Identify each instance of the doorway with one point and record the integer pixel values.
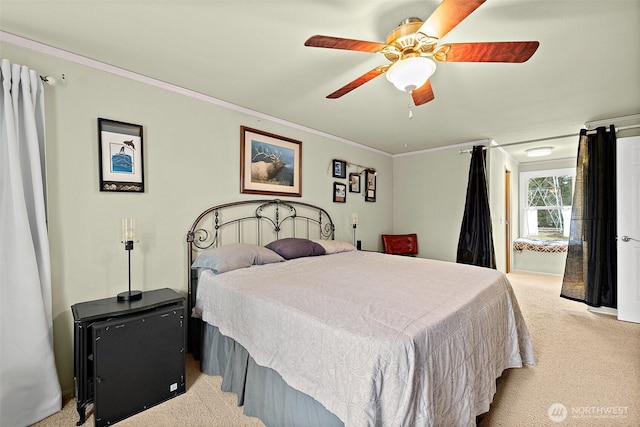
(628, 227)
(507, 219)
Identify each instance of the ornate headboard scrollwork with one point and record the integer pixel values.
(253, 221)
(275, 214)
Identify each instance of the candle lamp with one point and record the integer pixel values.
(128, 239)
(354, 223)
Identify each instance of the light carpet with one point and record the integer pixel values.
(587, 374)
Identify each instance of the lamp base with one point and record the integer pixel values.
(130, 296)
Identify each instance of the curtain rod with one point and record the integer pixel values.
(50, 80)
(589, 132)
(633, 118)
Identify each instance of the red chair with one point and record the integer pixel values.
(400, 244)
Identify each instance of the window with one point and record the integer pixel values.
(545, 203)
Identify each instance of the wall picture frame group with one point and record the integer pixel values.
(270, 164)
(121, 158)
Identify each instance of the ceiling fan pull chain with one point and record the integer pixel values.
(410, 104)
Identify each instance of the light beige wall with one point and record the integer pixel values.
(430, 190)
(551, 164)
(498, 163)
(191, 151)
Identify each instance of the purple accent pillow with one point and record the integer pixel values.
(293, 247)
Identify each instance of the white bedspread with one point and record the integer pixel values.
(377, 339)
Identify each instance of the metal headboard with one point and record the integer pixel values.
(251, 221)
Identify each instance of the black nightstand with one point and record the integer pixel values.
(128, 355)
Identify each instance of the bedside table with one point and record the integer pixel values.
(128, 355)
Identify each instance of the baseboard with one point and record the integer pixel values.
(520, 270)
(604, 310)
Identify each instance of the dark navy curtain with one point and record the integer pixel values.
(475, 245)
(590, 274)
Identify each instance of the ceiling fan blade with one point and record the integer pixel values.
(447, 15)
(357, 83)
(487, 52)
(346, 44)
(423, 94)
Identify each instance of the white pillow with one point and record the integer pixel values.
(235, 256)
(266, 256)
(335, 246)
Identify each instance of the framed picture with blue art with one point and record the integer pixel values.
(269, 164)
(121, 156)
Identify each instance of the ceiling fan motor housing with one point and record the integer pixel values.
(408, 41)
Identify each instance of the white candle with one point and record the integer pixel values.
(128, 229)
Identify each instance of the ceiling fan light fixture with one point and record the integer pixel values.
(538, 151)
(410, 73)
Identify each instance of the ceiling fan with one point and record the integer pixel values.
(413, 45)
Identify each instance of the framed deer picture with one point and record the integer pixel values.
(269, 164)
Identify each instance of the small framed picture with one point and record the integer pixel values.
(120, 154)
(339, 192)
(339, 169)
(370, 186)
(354, 182)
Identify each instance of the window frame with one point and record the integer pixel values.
(524, 192)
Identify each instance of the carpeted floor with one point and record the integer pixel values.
(587, 374)
(589, 363)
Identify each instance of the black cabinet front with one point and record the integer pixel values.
(129, 356)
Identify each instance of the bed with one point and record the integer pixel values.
(306, 330)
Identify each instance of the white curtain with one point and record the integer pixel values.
(29, 386)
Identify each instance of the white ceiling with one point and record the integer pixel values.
(252, 54)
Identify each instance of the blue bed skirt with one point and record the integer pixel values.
(262, 391)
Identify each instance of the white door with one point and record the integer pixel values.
(628, 206)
